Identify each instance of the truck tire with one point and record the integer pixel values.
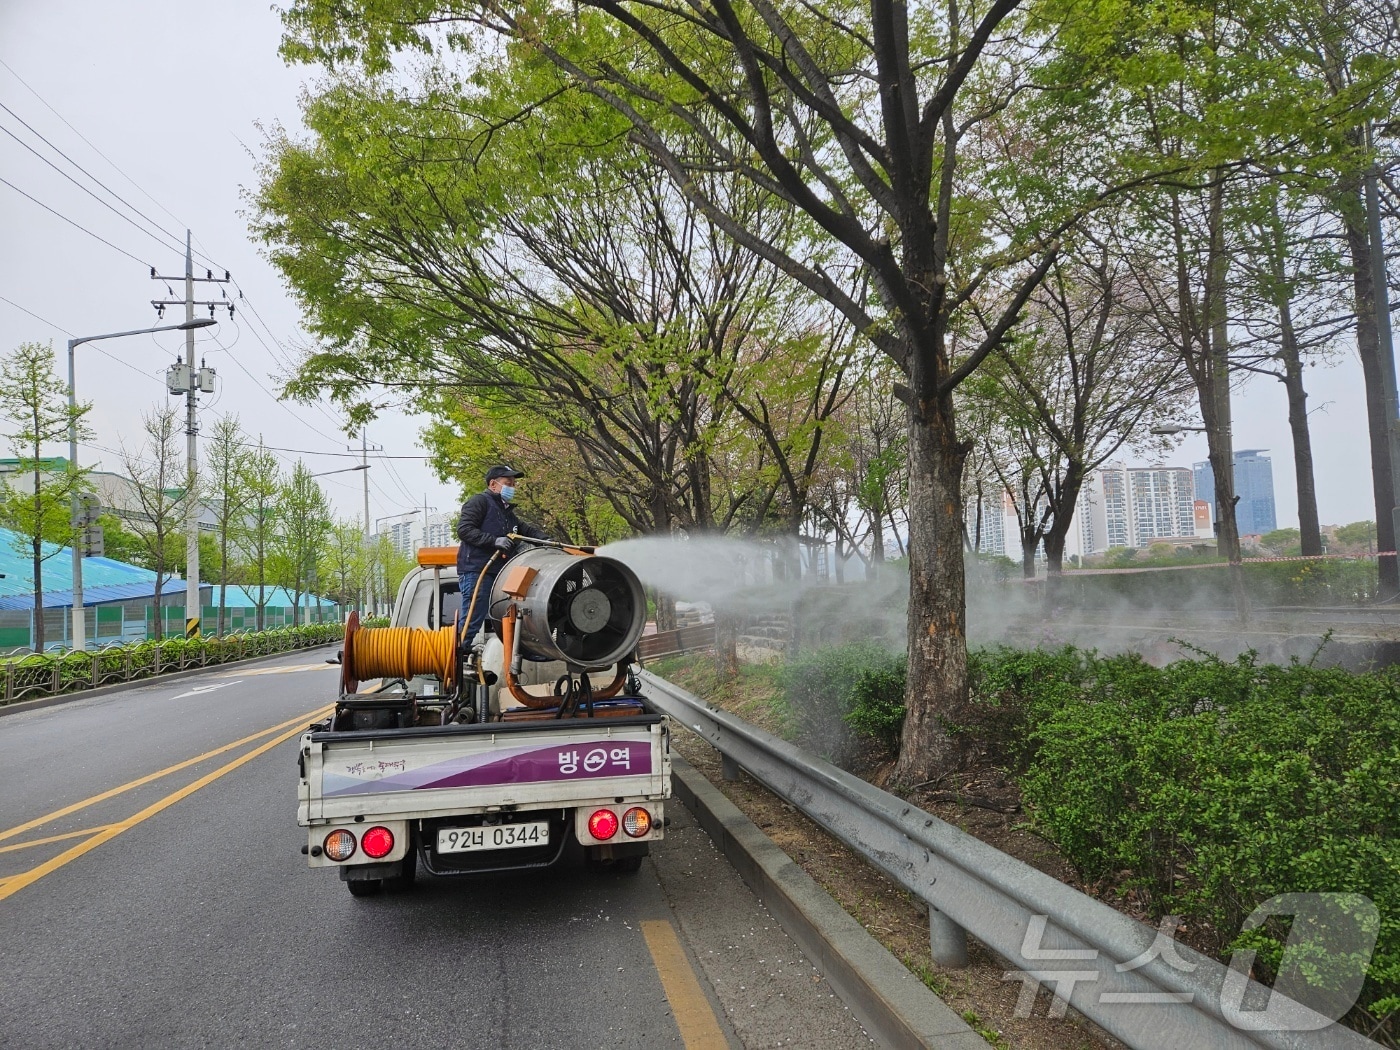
(365, 887)
(408, 874)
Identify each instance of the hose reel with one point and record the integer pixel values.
(397, 652)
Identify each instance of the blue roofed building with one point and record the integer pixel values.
(120, 598)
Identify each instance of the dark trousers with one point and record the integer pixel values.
(467, 581)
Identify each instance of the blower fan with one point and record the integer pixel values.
(585, 610)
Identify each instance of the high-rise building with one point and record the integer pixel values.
(440, 531)
(402, 534)
(1254, 485)
(990, 528)
(1163, 503)
(1122, 506)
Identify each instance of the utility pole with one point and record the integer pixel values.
(364, 470)
(426, 508)
(184, 378)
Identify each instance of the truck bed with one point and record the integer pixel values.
(423, 772)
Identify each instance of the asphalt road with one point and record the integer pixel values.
(153, 894)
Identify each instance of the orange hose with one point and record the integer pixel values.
(404, 652)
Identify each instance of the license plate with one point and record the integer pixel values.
(495, 836)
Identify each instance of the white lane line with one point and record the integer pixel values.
(197, 690)
(279, 670)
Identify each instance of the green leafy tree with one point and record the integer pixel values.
(38, 509)
(853, 123)
(120, 543)
(1359, 536)
(227, 494)
(157, 474)
(254, 537)
(343, 566)
(1282, 542)
(301, 532)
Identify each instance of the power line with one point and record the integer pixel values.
(70, 222)
(36, 317)
(94, 346)
(80, 135)
(75, 182)
(113, 193)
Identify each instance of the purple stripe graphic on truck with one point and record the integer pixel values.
(552, 762)
(558, 762)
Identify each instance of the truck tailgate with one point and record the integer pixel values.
(420, 773)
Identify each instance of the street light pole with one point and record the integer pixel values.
(79, 617)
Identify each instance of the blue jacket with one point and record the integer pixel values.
(486, 517)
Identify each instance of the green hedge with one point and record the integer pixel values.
(45, 675)
(1204, 787)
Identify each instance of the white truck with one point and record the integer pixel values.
(496, 753)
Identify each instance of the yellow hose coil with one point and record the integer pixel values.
(404, 652)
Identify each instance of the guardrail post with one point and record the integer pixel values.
(728, 768)
(947, 941)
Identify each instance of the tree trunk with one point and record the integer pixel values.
(935, 693)
(1219, 432)
(726, 645)
(665, 611)
(223, 581)
(1030, 540)
(38, 541)
(160, 613)
(1308, 525)
(39, 591)
(877, 543)
(1368, 346)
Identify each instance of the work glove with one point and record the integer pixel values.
(505, 544)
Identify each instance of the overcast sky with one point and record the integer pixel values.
(172, 95)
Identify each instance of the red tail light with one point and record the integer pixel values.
(603, 824)
(377, 842)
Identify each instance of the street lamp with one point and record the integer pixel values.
(79, 618)
(1175, 428)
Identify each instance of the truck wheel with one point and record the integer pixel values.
(627, 865)
(407, 875)
(365, 887)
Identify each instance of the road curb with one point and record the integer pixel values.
(141, 683)
(894, 1005)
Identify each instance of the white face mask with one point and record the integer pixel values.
(507, 492)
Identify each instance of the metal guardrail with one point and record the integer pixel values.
(43, 675)
(1120, 973)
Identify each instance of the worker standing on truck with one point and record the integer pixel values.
(484, 528)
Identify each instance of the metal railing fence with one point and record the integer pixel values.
(1108, 966)
(37, 676)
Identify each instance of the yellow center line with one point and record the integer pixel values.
(16, 883)
(696, 1020)
(149, 777)
(53, 838)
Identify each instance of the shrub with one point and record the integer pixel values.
(820, 687)
(877, 701)
(1216, 785)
